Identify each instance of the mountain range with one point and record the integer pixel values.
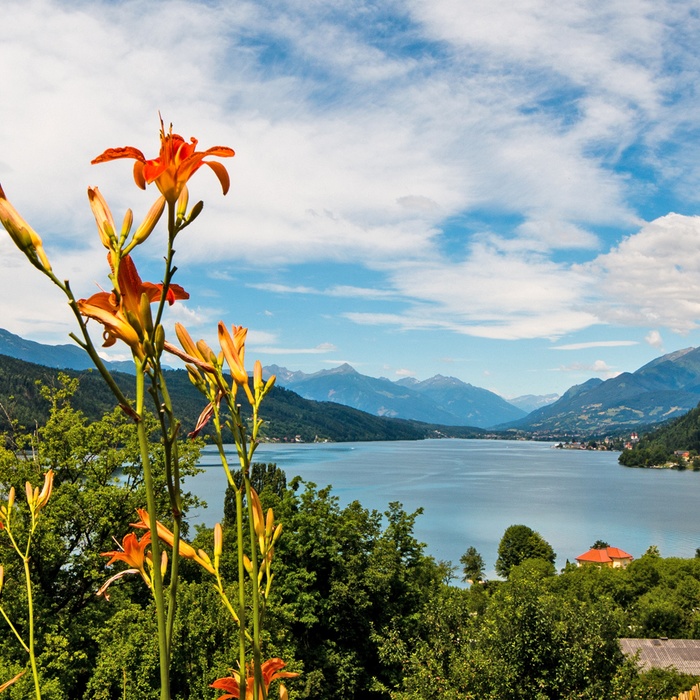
(443, 400)
(665, 388)
(66, 356)
(288, 416)
(661, 390)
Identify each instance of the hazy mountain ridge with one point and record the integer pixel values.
(531, 402)
(440, 399)
(65, 356)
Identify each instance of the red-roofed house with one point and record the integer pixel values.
(610, 556)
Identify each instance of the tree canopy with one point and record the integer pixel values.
(519, 542)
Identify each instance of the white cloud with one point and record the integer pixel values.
(598, 367)
(284, 289)
(351, 148)
(607, 50)
(654, 339)
(493, 293)
(318, 350)
(595, 344)
(405, 373)
(348, 291)
(652, 277)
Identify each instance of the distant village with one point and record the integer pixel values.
(606, 444)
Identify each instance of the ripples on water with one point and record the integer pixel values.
(472, 490)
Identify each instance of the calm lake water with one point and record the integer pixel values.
(472, 490)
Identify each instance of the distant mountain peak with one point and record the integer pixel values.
(345, 368)
(441, 380)
(670, 357)
(407, 381)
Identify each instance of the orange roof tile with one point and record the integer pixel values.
(599, 556)
(616, 553)
(604, 556)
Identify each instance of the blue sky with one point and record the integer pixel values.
(502, 191)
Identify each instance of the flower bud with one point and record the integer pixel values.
(145, 314)
(182, 202)
(47, 489)
(196, 211)
(126, 226)
(159, 339)
(149, 223)
(24, 236)
(103, 218)
(218, 540)
(257, 377)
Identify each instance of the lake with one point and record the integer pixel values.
(472, 490)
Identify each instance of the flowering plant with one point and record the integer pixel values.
(127, 314)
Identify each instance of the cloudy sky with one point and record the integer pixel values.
(505, 191)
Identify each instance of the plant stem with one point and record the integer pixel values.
(259, 686)
(14, 629)
(30, 610)
(241, 593)
(169, 429)
(163, 644)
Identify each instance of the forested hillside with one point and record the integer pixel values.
(286, 414)
(661, 446)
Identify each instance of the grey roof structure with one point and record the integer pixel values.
(681, 654)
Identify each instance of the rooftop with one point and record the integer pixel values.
(681, 654)
(604, 556)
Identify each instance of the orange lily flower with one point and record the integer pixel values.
(123, 315)
(133, 553)
(186, 550)
(270, 672)
(174, 166)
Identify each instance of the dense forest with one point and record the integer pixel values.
(288, 415)
(359, 609)
(667, 444)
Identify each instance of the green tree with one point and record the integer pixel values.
(600, 544)
(97, 488)
(349, 586)
(519, 543)
(472, 566)
(532, 645)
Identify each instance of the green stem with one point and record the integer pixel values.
(163, 644)
(174, 574)
(14, 629)
(169, 430)
(30, 610)
(259, 686)
(241, 593)
(169, 269)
